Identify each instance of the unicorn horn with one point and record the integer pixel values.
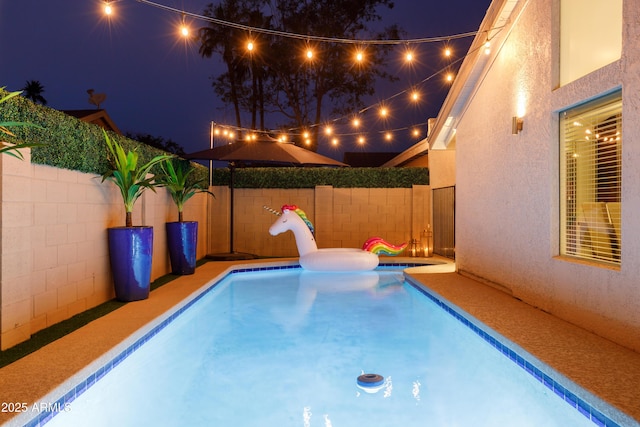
(273, 211)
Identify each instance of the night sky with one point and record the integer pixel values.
(157, 84)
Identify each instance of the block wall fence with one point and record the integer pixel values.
(54, 260)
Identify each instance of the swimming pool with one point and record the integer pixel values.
(284, 348)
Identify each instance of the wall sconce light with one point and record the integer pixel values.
(516, 125)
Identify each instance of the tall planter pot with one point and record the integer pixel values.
(182, 239)
(131, 254)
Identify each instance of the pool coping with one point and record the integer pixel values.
(60, 366)
(192, 288)
(589, 405)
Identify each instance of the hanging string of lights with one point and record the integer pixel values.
(413, 93)
(303, 36)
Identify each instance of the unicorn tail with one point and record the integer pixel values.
(378, 246)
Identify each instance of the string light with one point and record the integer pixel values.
(409, 57)
(377, 42)
(184, 29)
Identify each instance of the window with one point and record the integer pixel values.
(590, 36)
(591, 180)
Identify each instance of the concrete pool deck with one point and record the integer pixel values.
(601, 367)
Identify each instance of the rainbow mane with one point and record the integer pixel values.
(378, 246)
(301, 214)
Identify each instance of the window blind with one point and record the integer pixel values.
(591, 180)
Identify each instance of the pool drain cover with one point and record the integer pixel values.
(370, 380)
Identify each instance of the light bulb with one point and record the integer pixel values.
(108, 10)
(447, 52)
(383, 112)
(415, 95)
(361, 140)
(387, 136)
(250, 46)
(184, 30)
(356, 122)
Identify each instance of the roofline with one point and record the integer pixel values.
(494, 28)
(93, 115)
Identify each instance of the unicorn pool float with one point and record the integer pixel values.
(294, 219)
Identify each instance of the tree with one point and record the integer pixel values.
(278, 79)
(33, 90)
(167, 145)
(228, 43)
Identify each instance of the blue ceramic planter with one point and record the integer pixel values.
(131, 254)
(182, 239)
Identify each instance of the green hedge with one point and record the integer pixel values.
(69, 143)
(77, 145)
(310, 177)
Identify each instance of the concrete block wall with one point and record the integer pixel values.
(54, 252)
(252, 222)
(342, 217)
(54, 260)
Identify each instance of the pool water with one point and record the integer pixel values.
(285, 348)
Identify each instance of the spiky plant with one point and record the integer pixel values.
(180, 185)
(132, 180)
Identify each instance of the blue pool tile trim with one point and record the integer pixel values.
(574, 401)
(52, 409)
(58, 406)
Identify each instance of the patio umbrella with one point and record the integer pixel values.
(261, 152)
(265, 152)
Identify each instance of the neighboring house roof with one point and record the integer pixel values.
(366, 160)
(97, 117)
(494, 28)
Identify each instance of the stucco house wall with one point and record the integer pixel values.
(507, 186)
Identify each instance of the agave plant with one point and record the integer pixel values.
(180, 185)
(132, 180)
(14, 150)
